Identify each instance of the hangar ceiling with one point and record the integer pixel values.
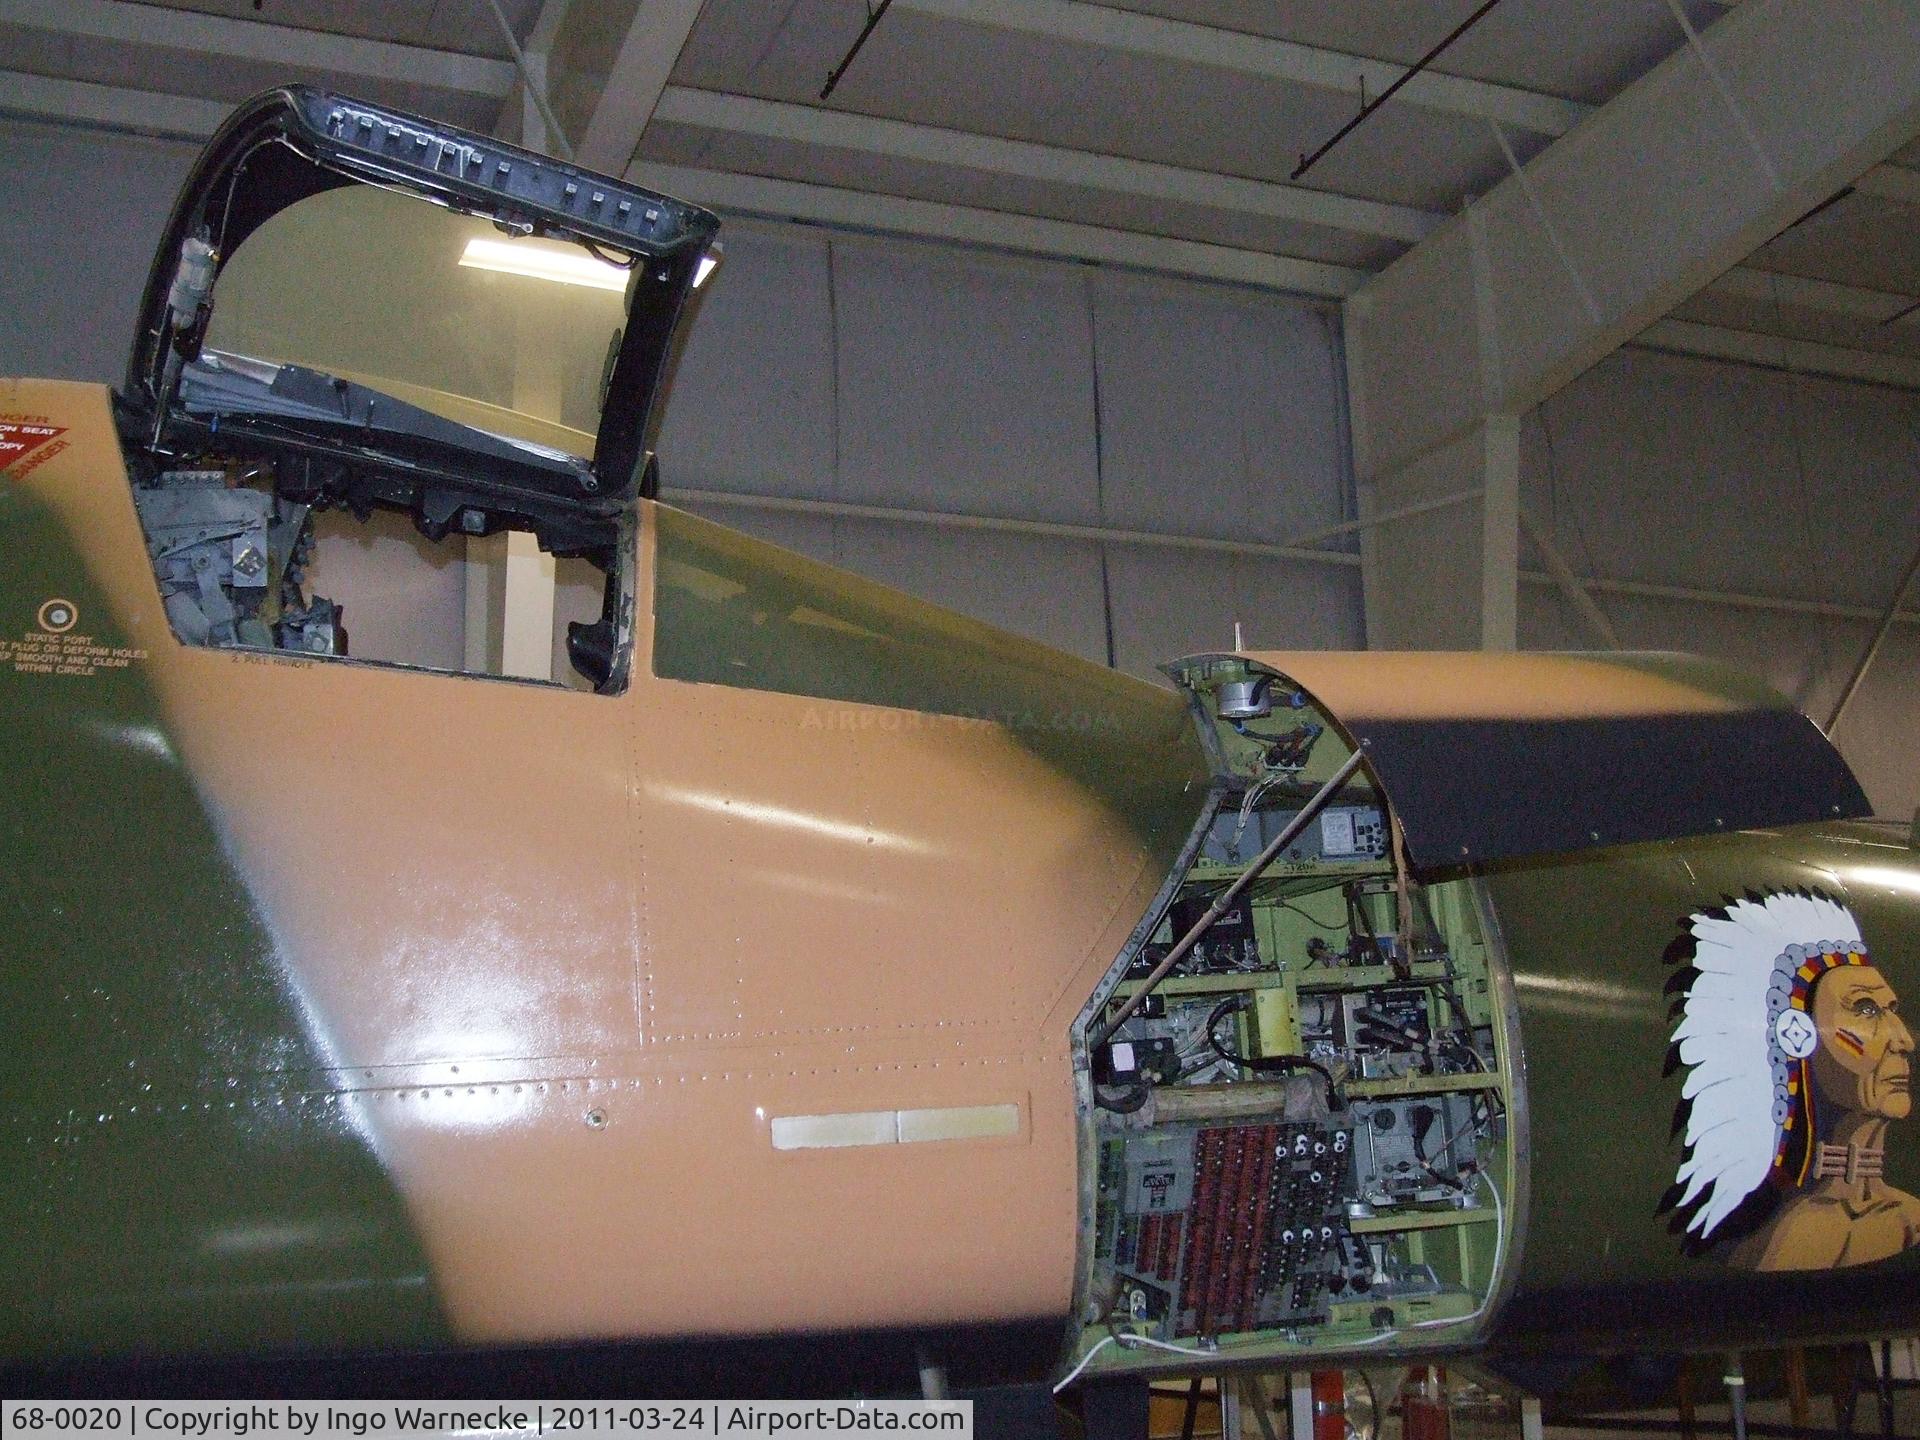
(1157, 134)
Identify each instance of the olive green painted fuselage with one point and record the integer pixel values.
(1586, 936)
(178, 1176)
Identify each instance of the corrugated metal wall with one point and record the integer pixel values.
(1702, 475)
(860, 372)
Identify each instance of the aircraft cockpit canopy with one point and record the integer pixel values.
(357, 311)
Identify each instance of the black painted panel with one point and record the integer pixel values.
(1469, 791)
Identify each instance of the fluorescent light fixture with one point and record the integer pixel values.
(709, 263)
(536, 261)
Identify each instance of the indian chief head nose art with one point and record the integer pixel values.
(1798, 1064)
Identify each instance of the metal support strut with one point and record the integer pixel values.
(536, 84)
(1880, 630)
(1736, 1379)
(1224, 900)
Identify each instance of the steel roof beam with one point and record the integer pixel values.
(1676, 180)
(111, 107)
(1158, 38)
(521, 117)
(151, 113)
(546, 26)
(869, 134)
(755, 195)
(633, 87)
(1781, 352)
(1655, 197)
(1891, 182)
(1799, 292)
(163, 28)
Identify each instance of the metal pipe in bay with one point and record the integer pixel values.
(1288, 834)
(1307, 162)
(1736, 1382)
(1246, 1099)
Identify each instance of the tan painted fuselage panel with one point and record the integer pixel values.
(1442, 685)
(569, 957)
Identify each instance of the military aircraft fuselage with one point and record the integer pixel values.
(356, 1004)
(813, 961)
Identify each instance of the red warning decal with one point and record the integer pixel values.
(19, 440)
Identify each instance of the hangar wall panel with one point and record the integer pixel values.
(753, 395)
(1679, 471)
(1221, 414)
(851, 370)
(1168, 604)
(80, 212)
(963, 386)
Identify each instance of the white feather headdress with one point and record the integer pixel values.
(1743, 1030)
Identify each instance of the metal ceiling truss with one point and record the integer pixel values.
(1157, 38)
(873, 135)
(110, 107)
(633, 88)
(162, 28)
(191, 118)
(637, 91)
(1798, 292)
(1781, 352)
(993, 229)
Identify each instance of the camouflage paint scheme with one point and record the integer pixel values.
(178, 1167)
(480, 996)
(351, 1006)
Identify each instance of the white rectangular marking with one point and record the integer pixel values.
(889, 1127)
(834, 1132)
(959, 1122)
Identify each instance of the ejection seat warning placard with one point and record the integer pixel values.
(21, 441)
(55, 644)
